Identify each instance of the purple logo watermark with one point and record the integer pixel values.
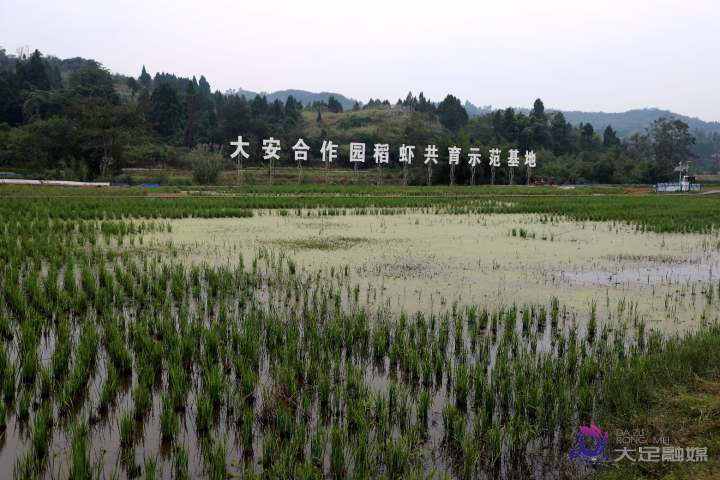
(590, 457)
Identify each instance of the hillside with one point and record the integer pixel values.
(626, 123)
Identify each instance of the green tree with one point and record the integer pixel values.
(538, 110)
(586, 133)
(259, 106)
(334, 105)
(277, 110)
(356, 107)
(671, 141)
(425, 106)
(508, 125)
(319, 118)
(292, 108)
(192, 105)
(144, 100)
(610, 138)
(452, 114)
(497, 124)
(204, 86)
(561, 131)
(105, 128)
(133, 86)
(53, 74)
(166, 110)
(33, 72)
(10, 98)
(235, 119)
(145, 78)
(92, 76)
(640, 147)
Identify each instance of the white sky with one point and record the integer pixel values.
(608, 55)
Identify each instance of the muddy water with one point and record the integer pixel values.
(426, 262)
(406, 262)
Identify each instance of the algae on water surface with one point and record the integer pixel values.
(418, 261)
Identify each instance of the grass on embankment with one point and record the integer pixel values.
(690, 414)
(674, 394)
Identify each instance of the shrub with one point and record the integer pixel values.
(206, 171)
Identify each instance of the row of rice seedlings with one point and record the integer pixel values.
(324, 354)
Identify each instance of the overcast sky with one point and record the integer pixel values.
(607, 55)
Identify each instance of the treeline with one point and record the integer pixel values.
(79, 121)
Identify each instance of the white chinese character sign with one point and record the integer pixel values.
(381, 155)
(474, 156)
(271, 147)
(301, 155)
(406, 156)
(357, 155)
(529, 163)
(240, 153)
(329, 152)
(513, 161)
(494, 162)
(431, 154)
(453, 159)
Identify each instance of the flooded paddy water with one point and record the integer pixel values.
(295, 344)
(425, 262)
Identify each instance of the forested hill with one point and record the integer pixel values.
(624, 123)
(74, 119)
(627, 123)
(307, 98)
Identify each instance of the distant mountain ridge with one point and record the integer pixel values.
(302, 95)
(626, 123)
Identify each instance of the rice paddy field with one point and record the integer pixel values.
(302, 336)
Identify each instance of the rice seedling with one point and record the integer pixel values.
(24, 467)
(126, 425)
(215, 452)
(181, 462)
(301, 337)
(80, 464)
(337, 450)
(141, 400)
(269, 450)
(397, 458)
(131, 465)
(8, 381)
(109, 387)
(3, 417)
(24, 405)
(168, 419)
(150, 462)
(41, 432)
(204, 411)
